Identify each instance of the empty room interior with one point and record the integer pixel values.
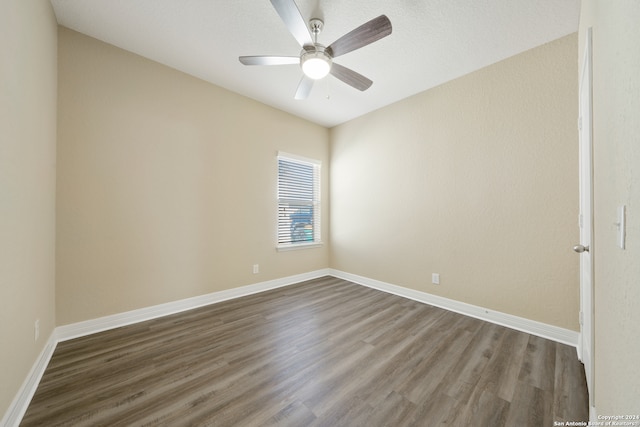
(467, 252)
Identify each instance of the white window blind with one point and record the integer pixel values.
(298, 201)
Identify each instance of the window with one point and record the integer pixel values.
(298, 201)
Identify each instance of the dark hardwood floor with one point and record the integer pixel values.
(325, 352)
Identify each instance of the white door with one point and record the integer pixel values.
(585, 248)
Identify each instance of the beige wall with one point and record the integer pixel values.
(161, 177)
(27, 187)
(616, 127)
(166, 184)
(475, 180)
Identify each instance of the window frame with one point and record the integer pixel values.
(315, 202)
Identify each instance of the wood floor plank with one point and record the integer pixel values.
(538, 367)
(571, 400)
(295, 414)
(473, 360)
(394, 410)
(324, 352)
(502, 371)
(432, 370)
(435, 411)
(482, 408)
(531, 407)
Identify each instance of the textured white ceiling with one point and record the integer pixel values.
(433, 41)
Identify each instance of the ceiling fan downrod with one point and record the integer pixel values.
(316, 26)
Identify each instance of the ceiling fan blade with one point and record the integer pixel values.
(269, 60)
(350, 77)
(365, 34)
(304, 88)
(293, 20)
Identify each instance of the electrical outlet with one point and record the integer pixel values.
(36, 329)
(256, 268)
(435, 278)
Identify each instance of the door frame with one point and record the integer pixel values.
(585, 132)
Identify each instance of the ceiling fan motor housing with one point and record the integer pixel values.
(315, 61)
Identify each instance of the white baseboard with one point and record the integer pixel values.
(532, 327)
(18, 407)
(20, 403)
(100, 324)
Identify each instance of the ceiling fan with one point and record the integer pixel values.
(315, 59)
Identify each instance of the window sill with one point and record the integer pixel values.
(296, 246)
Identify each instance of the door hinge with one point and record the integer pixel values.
(581, 318)
(580, 123)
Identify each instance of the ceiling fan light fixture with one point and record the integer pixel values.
(315, 64)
